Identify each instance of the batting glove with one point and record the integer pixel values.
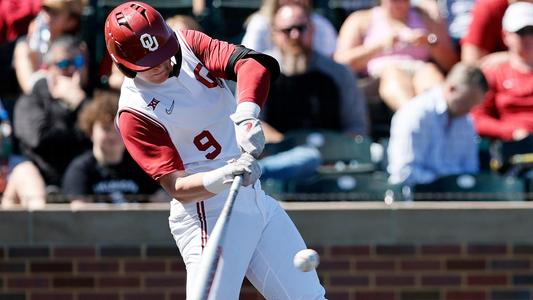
(250, 135)
(218, 180)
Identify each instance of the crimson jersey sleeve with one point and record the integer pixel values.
(253, 79)
(149, 145)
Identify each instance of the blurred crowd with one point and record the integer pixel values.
(438, 87)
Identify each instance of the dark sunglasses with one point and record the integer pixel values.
(78, 61)
(528, 30)
(301, 28)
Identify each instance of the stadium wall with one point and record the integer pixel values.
(369, 251)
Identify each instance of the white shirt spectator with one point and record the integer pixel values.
(425, 143)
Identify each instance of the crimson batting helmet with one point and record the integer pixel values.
(138, 38)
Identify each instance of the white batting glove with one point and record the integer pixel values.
(250, 135)
(218, 180)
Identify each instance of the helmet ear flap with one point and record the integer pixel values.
(127, 72)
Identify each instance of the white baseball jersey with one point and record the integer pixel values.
(193, 108)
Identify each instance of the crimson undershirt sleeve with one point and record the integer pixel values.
(149, 145)
(253, 79)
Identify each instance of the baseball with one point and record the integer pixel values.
(306, 260)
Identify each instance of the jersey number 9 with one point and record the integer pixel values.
(204, 141)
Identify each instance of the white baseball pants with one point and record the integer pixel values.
(260, 244)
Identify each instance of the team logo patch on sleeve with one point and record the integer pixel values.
(153, 104)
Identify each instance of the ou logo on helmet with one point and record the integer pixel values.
(149, 42)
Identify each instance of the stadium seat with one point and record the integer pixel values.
(340, 153)
(344, 187)
(517, 156)
(467, 187)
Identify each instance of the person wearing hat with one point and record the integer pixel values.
(56, 18)
(507, 111)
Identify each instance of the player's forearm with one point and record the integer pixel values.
(186, 189)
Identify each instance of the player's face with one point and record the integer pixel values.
(157, 74)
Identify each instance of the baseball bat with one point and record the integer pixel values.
(207, 268)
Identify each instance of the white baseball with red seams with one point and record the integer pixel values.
(306, 260)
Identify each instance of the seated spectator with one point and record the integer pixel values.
(433, 135)
(45, 122)
(507, 111)
(107, 173)
(15, 17)
(57, 17)
(258, 28)
(312, 91)
(484, 35)
(397, 44)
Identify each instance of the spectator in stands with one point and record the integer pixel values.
(313, 91)
(258, 28)
(56, 18)
(107, 173)
(45, 125)
(507, 112)
(484, 34)
(15, 17)
(395, 43)
(433, 135)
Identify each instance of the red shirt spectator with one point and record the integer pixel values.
(507, 112)
(484, 34)
(508, 105)
(15, 17)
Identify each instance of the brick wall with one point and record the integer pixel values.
(379, 272)
(409, 252)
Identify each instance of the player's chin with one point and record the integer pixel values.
(159, 77)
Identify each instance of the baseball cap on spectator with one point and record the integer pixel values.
(72, 6)
(517, 16)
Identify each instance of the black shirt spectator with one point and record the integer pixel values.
(116, 183)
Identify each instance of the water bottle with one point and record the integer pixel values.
(40, 37)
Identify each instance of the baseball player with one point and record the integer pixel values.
(182, 125)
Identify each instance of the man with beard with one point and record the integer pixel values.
(313, 92)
